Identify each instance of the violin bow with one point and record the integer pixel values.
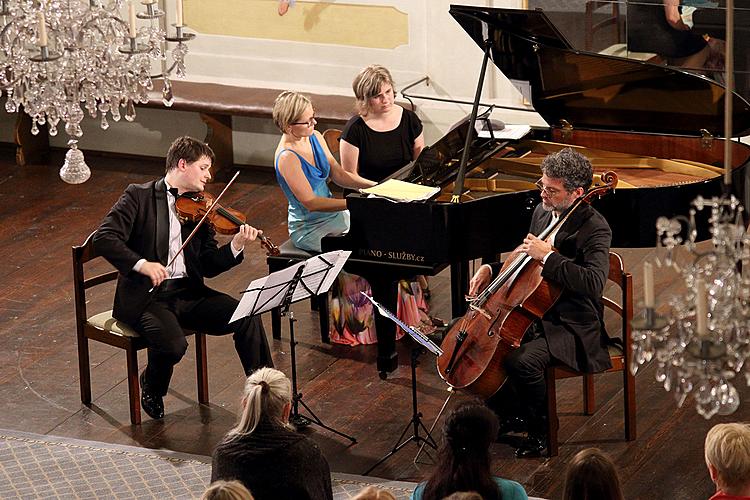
(200, 222)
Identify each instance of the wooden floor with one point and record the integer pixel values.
(41, 217)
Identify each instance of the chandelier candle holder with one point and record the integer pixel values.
(65, 58)
(703, 342)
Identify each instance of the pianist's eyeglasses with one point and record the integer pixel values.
(312, 121)
(541, 187)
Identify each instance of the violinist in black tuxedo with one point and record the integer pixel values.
(572, 331)
(139, 236)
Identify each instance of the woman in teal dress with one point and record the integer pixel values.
(464, 460)
(303, 166)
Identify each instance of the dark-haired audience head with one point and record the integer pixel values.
(227, 490)
(188, 149)
(592, 476)
(464, 460)
(370, 82)
(727, 451)
(574, 169)
(373, 493)
(267, 398)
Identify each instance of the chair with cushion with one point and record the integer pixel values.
(619, 354)
(288, 256)
(102, 327)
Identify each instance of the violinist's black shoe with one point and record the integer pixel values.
(534, 446)
(512, 425)
(152, 404)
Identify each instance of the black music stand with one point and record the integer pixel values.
(281, 289)
(415, 423)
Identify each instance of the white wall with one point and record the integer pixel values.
(438, 47)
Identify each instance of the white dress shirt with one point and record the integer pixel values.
(177, 269)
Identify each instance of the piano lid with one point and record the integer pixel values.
(595, 91)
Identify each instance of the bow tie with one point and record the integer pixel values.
(174, 191)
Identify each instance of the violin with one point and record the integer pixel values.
(192, 207)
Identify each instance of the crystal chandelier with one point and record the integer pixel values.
(704, 340)
(65, 58)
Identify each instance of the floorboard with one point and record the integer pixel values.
(42, 218)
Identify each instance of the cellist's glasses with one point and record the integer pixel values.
(544, 189)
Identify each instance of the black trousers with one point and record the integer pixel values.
(524, 393)
(196, 308)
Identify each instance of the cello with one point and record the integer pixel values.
(475, 347)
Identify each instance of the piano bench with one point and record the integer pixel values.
(289, 256)
(621, 50)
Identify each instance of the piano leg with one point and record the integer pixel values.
(459, 287)
(384, 291)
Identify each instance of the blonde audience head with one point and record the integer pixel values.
(288, 108)
(368, 83)
(464, 495)
(592, 475)
(267, 395)
(727, 452)
(373, 493)
(227, 490)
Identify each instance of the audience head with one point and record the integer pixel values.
(464, 461)
(288, 109)
(574, 169)
(464, 495)
(227, 490)
(373, 493)
(370, 82)
(267, 396)
(592, 476)
(727, 452)
(188, 149)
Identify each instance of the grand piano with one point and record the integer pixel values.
(659, 128)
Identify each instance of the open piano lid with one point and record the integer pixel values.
(594, 91)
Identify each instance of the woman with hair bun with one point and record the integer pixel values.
(263, 451)
(464, 460)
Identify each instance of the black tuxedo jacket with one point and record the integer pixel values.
(137, 227)
(574, 326)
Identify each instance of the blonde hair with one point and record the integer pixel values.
(727, 448)
(373, 493)
(288, 108)
(227, 490)
(367, 84)
(266, 393)
(464, 495)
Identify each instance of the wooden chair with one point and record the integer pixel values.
(102, 327)
(590, 27)
(623, 307)
(332, 137)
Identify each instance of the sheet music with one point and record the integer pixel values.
(510, 132)
(266, 293)
(418, 336)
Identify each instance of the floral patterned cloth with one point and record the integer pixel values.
(352, 317)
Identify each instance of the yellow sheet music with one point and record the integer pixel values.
(401, 191)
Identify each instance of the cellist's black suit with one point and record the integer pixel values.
(572, 331)
(137, 227)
